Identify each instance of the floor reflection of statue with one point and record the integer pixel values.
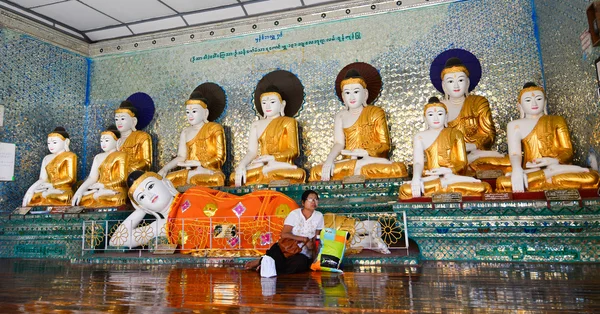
(200, 218)
(361, 134)
(57, 174)
(273, 140)
(455, 73)
(133, 115)
(540, 150)
(105, 186)
(439, 153)
(202, 144)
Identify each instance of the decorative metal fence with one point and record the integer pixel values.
(376, 231)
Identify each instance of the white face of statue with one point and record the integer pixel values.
(195, 114)
(354, 95)
(455, 84)
(272, 106)
(107, 142)
(533, 103)
(435, 117)
(124, 121)
(152, 194)
(56, 144)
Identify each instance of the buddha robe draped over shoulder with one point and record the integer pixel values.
(62, 173)
(448, 150)
(550, 138)
(209, 148)
(476, 124)
(280, 140)
(112, 172)
(251, 221)
(138, 147)
(369, 132)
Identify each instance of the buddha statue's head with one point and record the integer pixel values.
(532, 100)
(455, 79)
(354, 90)
(58, 141)
(196, 109)
(109, 138)
(436, 114)
(126, 117)
(150, 191)
(272, 103)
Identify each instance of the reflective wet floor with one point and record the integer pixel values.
(43, 286)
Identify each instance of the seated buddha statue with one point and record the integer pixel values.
(440, 154)
(470, 114)
(539, 148)
(136, 144)
(273, 140)
(183, 218)
(106, 184)
(57, 175)
(361, 136)
(201, 145)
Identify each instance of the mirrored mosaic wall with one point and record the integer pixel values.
(570, 74)
(400, 44)
(41, 87)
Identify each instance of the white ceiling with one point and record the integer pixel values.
(97, 20)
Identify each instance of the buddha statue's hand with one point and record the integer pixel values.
(103, 192)
(162, 173)
(441, 171)
(518, 180)
(189, 164)
(327, 171)
(417, 187)
(355, 153)
(542, 162)
(453, 178)
(52, 191)
(264, 159)
(96, 186)
(240, 175)
(470, 147)
(76, 199)
(198, 170)
(44, 186)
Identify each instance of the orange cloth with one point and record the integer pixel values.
(203, 218)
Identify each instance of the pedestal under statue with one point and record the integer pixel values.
(456, 73)
(361, 134)
(106, 185)
(57, 174)
(273, 140)
(440, 154)
(202, 146)
(540, 150)
(129, 117)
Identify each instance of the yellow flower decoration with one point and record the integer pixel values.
(210, 209)
(94, 234)
(143, 234)
(282, 211)
(119, 234)
(391, 231)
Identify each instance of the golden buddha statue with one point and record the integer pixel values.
(273, 140)
(57, 175)
(361, 133)
(202, 146)
(106, 185)
(539, 147)
(137, 144)
(440, 154)
(468, 113)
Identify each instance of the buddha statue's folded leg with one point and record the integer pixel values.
(469, 188)
(382, 171)
(52, 199)
(536, 181)
(178, 178)
(341, 169)
(491, 163)
(431, 187)
(105, 200)
(580, 180)
(208, 180)
(253, 176)
(297, 175)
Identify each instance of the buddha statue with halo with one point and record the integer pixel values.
(137, 144)
(468, 113)
(106, 185)
(440, 154)
(540, 150)
(273, 140)
(57, 175)
(202, 146)
(361, 134)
